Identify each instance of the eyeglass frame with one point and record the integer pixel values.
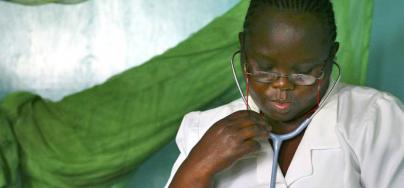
(289, 76)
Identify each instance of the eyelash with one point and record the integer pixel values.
(305, 71)
(264, 66)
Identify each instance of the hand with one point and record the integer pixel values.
(228, 140)
(224, 143)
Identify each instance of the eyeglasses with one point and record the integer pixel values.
(297, 79)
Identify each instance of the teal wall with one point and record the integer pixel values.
(155, 171)
(386, 58)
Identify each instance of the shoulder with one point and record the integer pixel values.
(195, 124)
(357, 103)
(364, 114)
(371, 124)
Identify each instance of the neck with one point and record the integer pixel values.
(283, 127)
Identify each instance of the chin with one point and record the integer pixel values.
(284, 119)
(281, 117)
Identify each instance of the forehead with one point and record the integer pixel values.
(287, 34)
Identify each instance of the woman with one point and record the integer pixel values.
(287, 53)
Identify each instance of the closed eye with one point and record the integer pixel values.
(306, 69)
(264, 65)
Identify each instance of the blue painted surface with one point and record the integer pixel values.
(155, 172)
(386, 58)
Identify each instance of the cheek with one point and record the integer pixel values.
(309, 96)
(305, 96)
(259, 91)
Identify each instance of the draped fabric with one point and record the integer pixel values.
(354, 22)
(96, 137)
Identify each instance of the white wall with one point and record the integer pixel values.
(56, 50)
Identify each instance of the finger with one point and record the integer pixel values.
(249, 132)
(260, 124)
(236, 117)
(264, 126)
(246, 113)
(242, 114)
(244, 118)
(253, 132)
(261, 120)
(247, 147)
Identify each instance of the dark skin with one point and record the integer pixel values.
(281, 41)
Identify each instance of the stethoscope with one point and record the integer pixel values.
(277, 140)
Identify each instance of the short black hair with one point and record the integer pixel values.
(323, 8)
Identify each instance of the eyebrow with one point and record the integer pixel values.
(306, 66)
(263, 61)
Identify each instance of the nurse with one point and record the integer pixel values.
(287, 52)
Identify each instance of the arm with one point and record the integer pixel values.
(192, 174)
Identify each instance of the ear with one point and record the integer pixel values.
(241, 39)
(334, 49)
(333, 52)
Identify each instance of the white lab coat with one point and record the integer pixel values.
(356, 140)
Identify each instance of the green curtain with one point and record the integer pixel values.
(96, 137)
(354, 21)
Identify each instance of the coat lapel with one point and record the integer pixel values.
(319, 135)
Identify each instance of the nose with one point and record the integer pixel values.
(283, 83)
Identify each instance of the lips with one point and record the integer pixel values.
(281, 106)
